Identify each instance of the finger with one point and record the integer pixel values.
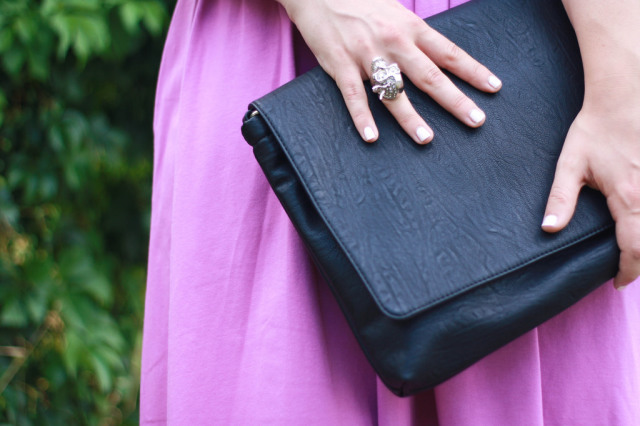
(448, 55)
(429, 78)
(350, 83)
(628, 237)
(567, 183)
(629, 270)
(409, 119)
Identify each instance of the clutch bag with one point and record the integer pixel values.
(435, 253)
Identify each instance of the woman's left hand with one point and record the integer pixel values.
(602, 150)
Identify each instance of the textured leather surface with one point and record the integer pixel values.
(435, 253)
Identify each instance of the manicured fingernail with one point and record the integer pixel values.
(550, 220)
(622, 287)
(423, 134)
(368, 134)
(494, 82)
(476, 116)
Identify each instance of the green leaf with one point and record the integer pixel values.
(13, 60)
(73, 352)
(103, 373)
(151, 13)
(131, 14)
(6, 39)
(99, 287)
(25, 28)
(13, 314)
(31, 189)
(9, 212)
(75, 265)
(87, 34)
(38, 62)
(112, 357)
(56, 141)
(154, 17)
(75, 128)
(36, 304)
(72, 176)
(110, 336)
(39, 273)
(64, 32)
(48, 186)
(15, 176)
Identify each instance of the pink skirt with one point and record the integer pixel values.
(239, 327)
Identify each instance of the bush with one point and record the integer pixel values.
(77, 79)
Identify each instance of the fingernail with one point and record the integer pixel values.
(495, 82)
(368, 134)
(476, 116)
(550, 220)
(423, 134)
(622, 287)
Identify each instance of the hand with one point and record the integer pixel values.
(345, 36)
(602, 150)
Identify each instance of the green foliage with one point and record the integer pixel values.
(77, 79)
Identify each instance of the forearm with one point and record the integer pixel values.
(608, 32)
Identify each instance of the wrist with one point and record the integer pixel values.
(608, 37)
(614, 81)
(289, 7)
(610, 65)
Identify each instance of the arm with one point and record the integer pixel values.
(346, 35)
(602, 149)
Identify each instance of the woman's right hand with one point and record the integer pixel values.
(346, 35)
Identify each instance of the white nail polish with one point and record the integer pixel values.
(476, 115)
(622, 287)
(423, 134)
(368, 134)
(494, 82)
(550, 220)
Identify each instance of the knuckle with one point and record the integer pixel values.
(629, 195)
(360, 46)
(459, 101)
(478, 68)
(405, 120)
(418, 26)
(359, 115)
(433, 76)
(570, 163)
(559, 195)
(426, 34)
(363, 43)
(634, 249)
(392, 35)
(452, 53)
(331, 63)
(351, 91)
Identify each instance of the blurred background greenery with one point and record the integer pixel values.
(77, 79)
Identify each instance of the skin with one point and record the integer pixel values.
(346, 35)
(602, 148)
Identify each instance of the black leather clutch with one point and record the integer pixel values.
(435, 253)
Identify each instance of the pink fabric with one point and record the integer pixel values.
(240, 329)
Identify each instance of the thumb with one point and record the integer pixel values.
(562, 198)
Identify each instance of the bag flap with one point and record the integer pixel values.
(423, 224)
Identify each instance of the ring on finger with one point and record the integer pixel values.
(386, 79)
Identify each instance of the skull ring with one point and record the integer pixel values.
(386, 80)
